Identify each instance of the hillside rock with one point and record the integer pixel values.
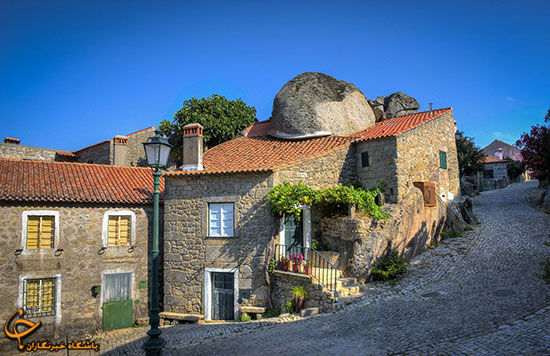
(313, 102)
(399, 104)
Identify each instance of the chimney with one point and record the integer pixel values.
(499, 154)
(192, 147)
(15, 141)
(120, 150)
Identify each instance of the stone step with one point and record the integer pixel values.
(343, 301)
(309, 312)
(345, 281)
(192, 318)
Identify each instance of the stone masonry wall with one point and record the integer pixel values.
(418, 157)
(382, 169)
(136, 152)
(10, 150)
(283, 282)
(80, 264)
(189, 250)
(101, 153)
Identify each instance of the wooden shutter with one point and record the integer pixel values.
(113, 231)
(118, 231)
(40, 232)
(40, 296)
(47, 295)
(32, 295)
(443, 159)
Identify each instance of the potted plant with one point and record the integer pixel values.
(285, 263)
(297, 259)
(300, 294)
(308, 269)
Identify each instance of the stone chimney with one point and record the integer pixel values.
(192, 147)
(120, 150)
(15, 141)
(499, 154)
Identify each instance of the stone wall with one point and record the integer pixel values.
(100, 153)
(80, 265)
(362, 241)
(418, 157)
(16, 151)
(136, 152)
(382, 169)
(189, 250)
(283, 282)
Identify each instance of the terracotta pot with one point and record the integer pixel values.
(285, 265)
(299, 303)
(296, 267)
(308, 270)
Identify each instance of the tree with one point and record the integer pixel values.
(470, 157)
(535, 149)
(547, 117)
(221, 119)
(515, 168)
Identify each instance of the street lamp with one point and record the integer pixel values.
(157, 150)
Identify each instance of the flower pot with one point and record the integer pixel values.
(295, 267)
(299, 303)
(285, 265)
(308, 270)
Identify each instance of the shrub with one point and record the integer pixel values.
(271, 267)
(290, 306)
(244, 317)
(299, 291)
(468, 228)
(391, 267)
(270, 313)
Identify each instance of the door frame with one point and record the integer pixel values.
(208, 290)
(306, 225)
(103, 284)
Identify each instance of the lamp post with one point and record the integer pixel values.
(157, 150)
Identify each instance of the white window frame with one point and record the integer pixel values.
(102, 291)
(222, 234)
(105, 227)
(306, 225)
(24, 228)
(208, 290)
(21, 302)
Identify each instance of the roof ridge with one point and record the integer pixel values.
(74, 163)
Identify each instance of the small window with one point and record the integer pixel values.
(220, 219)
(428, 193)
(365, 159)
(39, 297)
(40, 232)
(488, 174)
(119, 231)
(443, 159)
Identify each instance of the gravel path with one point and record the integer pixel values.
(472, 295)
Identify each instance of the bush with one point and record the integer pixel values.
(270, 313)
(244, 317)
(299, 291)
(290, 306)
(389, 268)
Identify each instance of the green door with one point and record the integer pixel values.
(294, 234)
(223, 296)
(117, 302)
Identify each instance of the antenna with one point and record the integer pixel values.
(430, 106)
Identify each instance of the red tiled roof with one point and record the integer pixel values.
(491, 159)
(263, 154)
(398, 125)
(26, 180)
(102, 142)
(258, 129)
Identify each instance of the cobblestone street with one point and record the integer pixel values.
(472, 295)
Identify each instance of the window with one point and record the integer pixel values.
(488, 174)
(119, 231)
(428, 193)
(443, 159)
(365, 159)
(39, 297)
(40, 232)
(220, 219)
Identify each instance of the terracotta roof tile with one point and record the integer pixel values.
(258, 129)
(398, 125)
(34, 180)
(491, 159)
(263, 154)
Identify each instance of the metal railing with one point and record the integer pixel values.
(308, 261)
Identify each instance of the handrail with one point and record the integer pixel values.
(305, 260)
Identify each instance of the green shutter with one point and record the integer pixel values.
(443, 159)
(364, 159)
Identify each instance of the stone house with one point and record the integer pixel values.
(122, 150)
(495, 173)
(219, 234)
(75, 240)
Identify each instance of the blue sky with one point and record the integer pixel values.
(73, 73)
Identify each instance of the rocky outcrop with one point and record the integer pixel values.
(312, 103)
(394, 105)
(468, 186)
(459, 214)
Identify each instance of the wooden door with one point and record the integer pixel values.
(223, 296)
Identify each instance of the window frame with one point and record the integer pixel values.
(56, 305)
(24, 229)
(442, 154)
(105, 228)
(365, 154)
(208, 209)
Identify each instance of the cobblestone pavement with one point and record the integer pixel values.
(472, 295)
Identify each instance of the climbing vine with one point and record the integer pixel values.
(288, 198)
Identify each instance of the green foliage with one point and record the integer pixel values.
(244, 317)
(515, 168)
(288, 198)
(454, 234)
(389, 268)
(221, 119)
(431, 245)
(290, 306)
(318, 245)
(545, 275)
(271, 313)
(468, 228)
(299, 291)
(271, 267)
(470, 157)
